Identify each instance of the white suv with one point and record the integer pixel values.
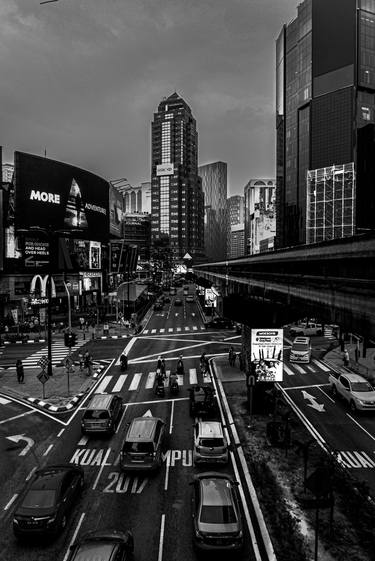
(301, 350)
(306, 329)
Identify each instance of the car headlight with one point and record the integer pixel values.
(52, 519)
(15, 521)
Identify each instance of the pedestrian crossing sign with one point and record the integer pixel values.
(43, 377)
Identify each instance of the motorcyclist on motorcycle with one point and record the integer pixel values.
(162, 367)
(123, 362)
(173, 383)
(180, 366)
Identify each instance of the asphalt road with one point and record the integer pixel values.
(158, 508)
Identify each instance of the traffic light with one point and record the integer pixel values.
(70, 339)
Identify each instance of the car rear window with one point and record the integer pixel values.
(139, 447)
(211, 442)
(223, 514)
(94, 552)
(96, 414)
(39, 498)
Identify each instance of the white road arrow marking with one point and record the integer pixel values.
(313, 403)
(147, 414)
(17, 437)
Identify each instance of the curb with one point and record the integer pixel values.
(69, 406)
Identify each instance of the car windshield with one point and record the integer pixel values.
(362, 387)
(94, 551)
(300, 347)
(39, 498)
(223, 514)
(139, 447)
(96, 414)
(211, 442)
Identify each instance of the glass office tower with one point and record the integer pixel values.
(216, 224)
(325, 101)
(177, 201)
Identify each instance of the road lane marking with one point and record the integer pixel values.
(31, 473)
(299, 369)
(126, 350)
(60, 433)
(74, 535)
(18, 416)
(288, 370)
(120, 382)
(84, 440)
(321, 365)
(145, 331)
(171, 421)
(160, 555)
(304, 387)
(361, 427)
(193, 376)
(153, 331)
(103, 384)
(11, 501)
(4, 401)
(326, 394)
(150, 380)
(104, 463)
(311, 368)
(195, 328)
(162, 330)
(122, 418)
(48, 450)
(135, 381)
(170, 329)
(187, 328)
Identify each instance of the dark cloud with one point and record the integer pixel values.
(82, 78)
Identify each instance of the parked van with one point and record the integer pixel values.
(143, 444)
(301, 350)
(102, 414)
(210, 444)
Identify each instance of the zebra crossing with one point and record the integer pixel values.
(314, 367)
(164, 330)
(114, 383)
(132, 382)
(59, 352)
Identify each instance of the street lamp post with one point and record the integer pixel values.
(49, 322)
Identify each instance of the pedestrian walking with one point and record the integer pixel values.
(230, 356)
(356, 354)
(20, 372)
(345, 357)
(234, 358)
(88, 363)
(81, 362)
(242, 362)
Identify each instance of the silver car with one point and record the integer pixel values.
(217, 523)
(210, 444)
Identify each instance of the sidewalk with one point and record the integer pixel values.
(56, 395)
(364, 366)
(227, 373)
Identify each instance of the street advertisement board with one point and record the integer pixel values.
(210, 298)
(116, 210)
(123, 257)
(267, 354)
(51, 194)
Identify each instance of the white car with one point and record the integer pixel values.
(306, 329)
(354, 389)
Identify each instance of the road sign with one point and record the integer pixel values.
(68, 362)
(43, 377)
(42, 362)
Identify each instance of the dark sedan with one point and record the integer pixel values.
(106, 545)
(217, 517)
(47, 501)
(220, 323)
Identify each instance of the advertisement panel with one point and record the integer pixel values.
(53, 194)
(210, 298)
(116, 210)
(164, 169)
(267, 354)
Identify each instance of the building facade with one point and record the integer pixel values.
(137, 231)
(260, 219)
(325, 122)
(216, 225)
(236, 217)
(177, 200)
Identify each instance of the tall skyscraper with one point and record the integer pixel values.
(325, 122)
(177, 201)
(236, 238)
(260, 220)
(216, 224)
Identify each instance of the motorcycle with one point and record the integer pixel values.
(123, 363)
(160, 390)
(180, 368)
(173, 387)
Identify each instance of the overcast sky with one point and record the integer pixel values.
(83, 78)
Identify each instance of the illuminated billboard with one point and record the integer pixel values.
(52, 194)
(267, 354)
(116, 210)
(164, 169)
